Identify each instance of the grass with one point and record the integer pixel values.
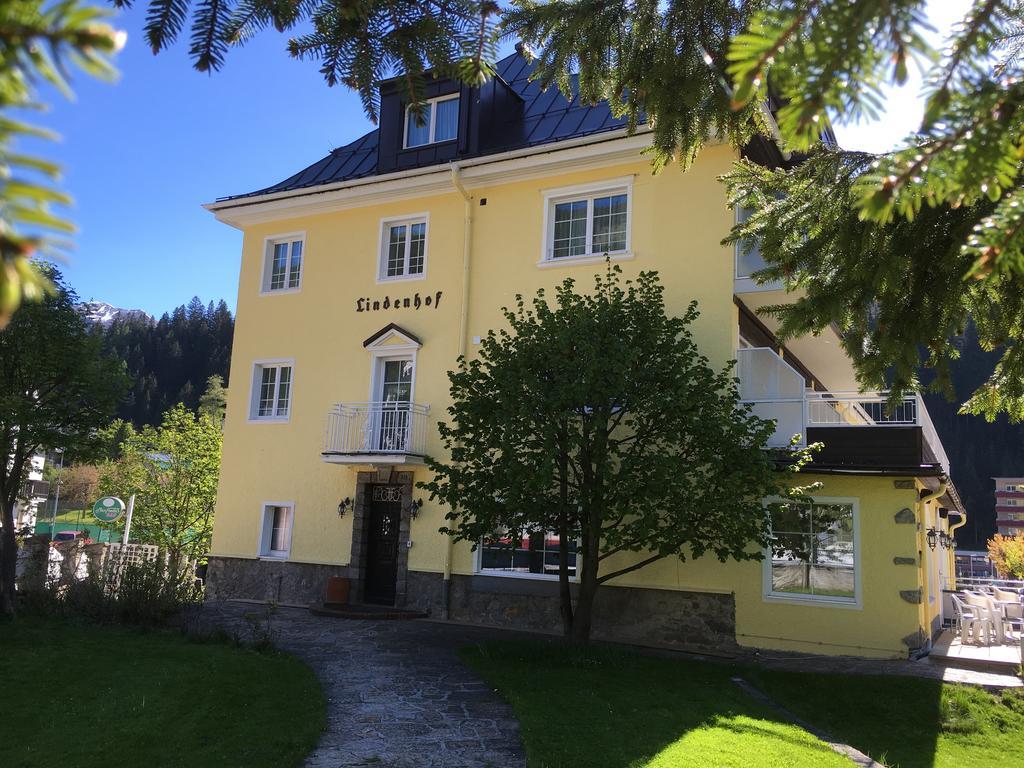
(85, 695)
(75, 520)
(907, 722)
(604, 708)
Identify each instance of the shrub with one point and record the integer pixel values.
(145, 594)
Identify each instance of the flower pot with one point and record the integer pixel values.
(337, 590)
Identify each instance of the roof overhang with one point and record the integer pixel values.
(586, 152)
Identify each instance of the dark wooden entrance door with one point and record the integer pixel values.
(382, 544)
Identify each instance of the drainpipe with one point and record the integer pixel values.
(922, 611)
(467, 249)
(952, 552)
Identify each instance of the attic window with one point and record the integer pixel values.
(440, 122)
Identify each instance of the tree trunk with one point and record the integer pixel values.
(564, 590)
(8, 560)
(584, 613)
(584, 609)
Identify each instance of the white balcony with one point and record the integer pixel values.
(376, 433)
(777, 391)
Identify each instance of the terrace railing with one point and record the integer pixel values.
(776, 390)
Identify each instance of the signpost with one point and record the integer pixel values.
(109, 510)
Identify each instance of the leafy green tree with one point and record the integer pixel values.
(214, 401)
(173, 471)
(599, 419)
(56, 391)
(38, 40)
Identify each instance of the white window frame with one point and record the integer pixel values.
(266, 530)
(826, 601)
(382, 249)
(552, 197)
(255, 382)
(478, 568)
(268, 260)
(433, 121)
(378, 357)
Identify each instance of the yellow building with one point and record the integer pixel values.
(367, 274)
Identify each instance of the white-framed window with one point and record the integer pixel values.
(276, 529)
(532, 555)
(587, 222)
(814, 555)
(282, 263)
(272, 382)
(403, 248)
(439, 121)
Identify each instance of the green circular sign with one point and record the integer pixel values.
(108, 509)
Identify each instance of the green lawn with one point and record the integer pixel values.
(607, 709)
(84, 695)
(604, 708)
(907, 722)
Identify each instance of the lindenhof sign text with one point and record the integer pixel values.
(398, 302)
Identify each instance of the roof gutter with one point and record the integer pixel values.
(540, 149)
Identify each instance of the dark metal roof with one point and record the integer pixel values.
(547, 117)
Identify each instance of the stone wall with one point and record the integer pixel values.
(278, 580)
(655, 617)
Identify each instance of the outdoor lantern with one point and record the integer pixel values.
(343, 506)
(415, 507)
(944, 539)
(932, 538)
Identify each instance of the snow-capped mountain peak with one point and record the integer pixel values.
(102, 313)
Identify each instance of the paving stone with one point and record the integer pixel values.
(397, 694)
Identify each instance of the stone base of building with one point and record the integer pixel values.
(281, 581)
(653, 617)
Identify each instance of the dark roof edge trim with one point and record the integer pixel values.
(397, 329)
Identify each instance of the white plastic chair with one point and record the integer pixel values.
(987, 618)
(1011, 611)
(966, 619)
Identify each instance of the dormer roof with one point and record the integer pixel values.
(538, 117)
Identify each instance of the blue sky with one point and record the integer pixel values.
(141, 155)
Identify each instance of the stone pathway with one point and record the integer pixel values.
(397, 694)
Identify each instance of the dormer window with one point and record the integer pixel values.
(438, 122)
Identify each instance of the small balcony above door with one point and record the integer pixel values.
(391, 432)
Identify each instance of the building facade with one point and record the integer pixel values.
(366, 275)
(1009, 505)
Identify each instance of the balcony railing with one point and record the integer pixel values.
(383, 428)
(777, 391)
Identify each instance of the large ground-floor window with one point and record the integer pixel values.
(531, 554)
(814, 552)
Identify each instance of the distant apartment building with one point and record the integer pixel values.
(1009, 505)
(33, 494)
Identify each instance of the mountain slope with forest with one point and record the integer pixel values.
(978, 450)
(169, 359)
